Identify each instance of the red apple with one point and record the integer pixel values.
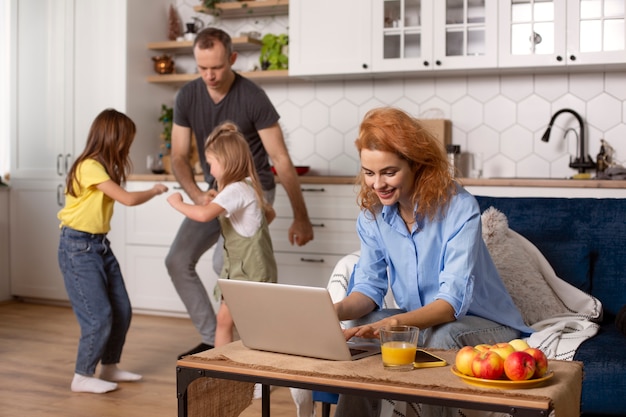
(519, 366)
(464, 358)
(503, 349)
(488, 365)
(541, 361)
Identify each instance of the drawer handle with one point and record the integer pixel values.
(317, 261)
(313, 190)
(317, 224)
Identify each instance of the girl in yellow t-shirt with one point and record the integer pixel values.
(92, 275)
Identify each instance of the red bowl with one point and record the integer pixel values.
(300, 170)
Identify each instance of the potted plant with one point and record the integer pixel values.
(167, 120)
(273, 50)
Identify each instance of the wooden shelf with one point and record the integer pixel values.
(241, 43)
(180, 79)
(247, 8)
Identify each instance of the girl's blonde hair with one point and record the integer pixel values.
(108, 142)
(392, 130)
(229, 146)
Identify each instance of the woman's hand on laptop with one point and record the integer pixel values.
(369, 331)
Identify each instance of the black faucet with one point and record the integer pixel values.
(582, 162)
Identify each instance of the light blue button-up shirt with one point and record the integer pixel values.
(442, 259)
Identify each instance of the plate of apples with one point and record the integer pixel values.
(508, 365)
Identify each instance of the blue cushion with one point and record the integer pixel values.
(604, 371)
(325, 397)
(582, 238)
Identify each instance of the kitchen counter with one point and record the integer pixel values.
(485, 182)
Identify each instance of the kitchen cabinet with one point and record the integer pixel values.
(145, 235)
(70, 63)
(328, 37)
(414, 35)
(44, 147)
(385, 36)
(148, 230)
(34, 234)
(562, 32)
(333, 211)
(55, 101)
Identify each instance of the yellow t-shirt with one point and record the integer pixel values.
(91, 210)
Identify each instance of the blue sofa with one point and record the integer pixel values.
(584, 239)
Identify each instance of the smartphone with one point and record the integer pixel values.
(425, 359)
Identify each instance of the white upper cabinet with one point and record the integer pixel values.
(402, 33)
(351, 37)
(328, 37)
(562, 32)
(416, 35)
(43, 88)
(466, 33)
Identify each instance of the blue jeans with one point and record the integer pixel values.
(191, 242)
(469, 330)
(95, 286)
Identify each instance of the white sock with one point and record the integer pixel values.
(258, 393)
(112, 373)
(82, 383)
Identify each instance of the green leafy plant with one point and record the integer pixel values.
(210, 6)
(272, 52)
(167, 119)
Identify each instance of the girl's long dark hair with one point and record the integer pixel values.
(108, 142)
(229, 146)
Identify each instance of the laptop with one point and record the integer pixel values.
(291, 319)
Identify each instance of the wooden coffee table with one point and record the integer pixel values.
(437, 386)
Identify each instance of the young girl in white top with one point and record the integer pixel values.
(243, 214)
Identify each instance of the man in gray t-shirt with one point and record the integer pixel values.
(219, 95)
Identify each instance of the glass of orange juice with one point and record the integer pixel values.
(398, 345)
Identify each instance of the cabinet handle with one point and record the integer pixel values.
(59, 158)
(317, 261)
(438, 63)
(572, 57)
(559, 58)
(364, 66)
(426, 63)
(60, 195)
(68, 158)
(313, 190)
(317, 224)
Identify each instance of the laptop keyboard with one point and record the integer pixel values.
(354, 352)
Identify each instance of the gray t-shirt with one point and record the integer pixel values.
(246, 105)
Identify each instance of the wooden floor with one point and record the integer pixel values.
(37, 354)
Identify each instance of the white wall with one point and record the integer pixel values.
(5, 28)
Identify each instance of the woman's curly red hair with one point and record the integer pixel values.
(392, 130)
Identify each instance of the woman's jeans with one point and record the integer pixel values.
(95, 286)
(469, 330)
